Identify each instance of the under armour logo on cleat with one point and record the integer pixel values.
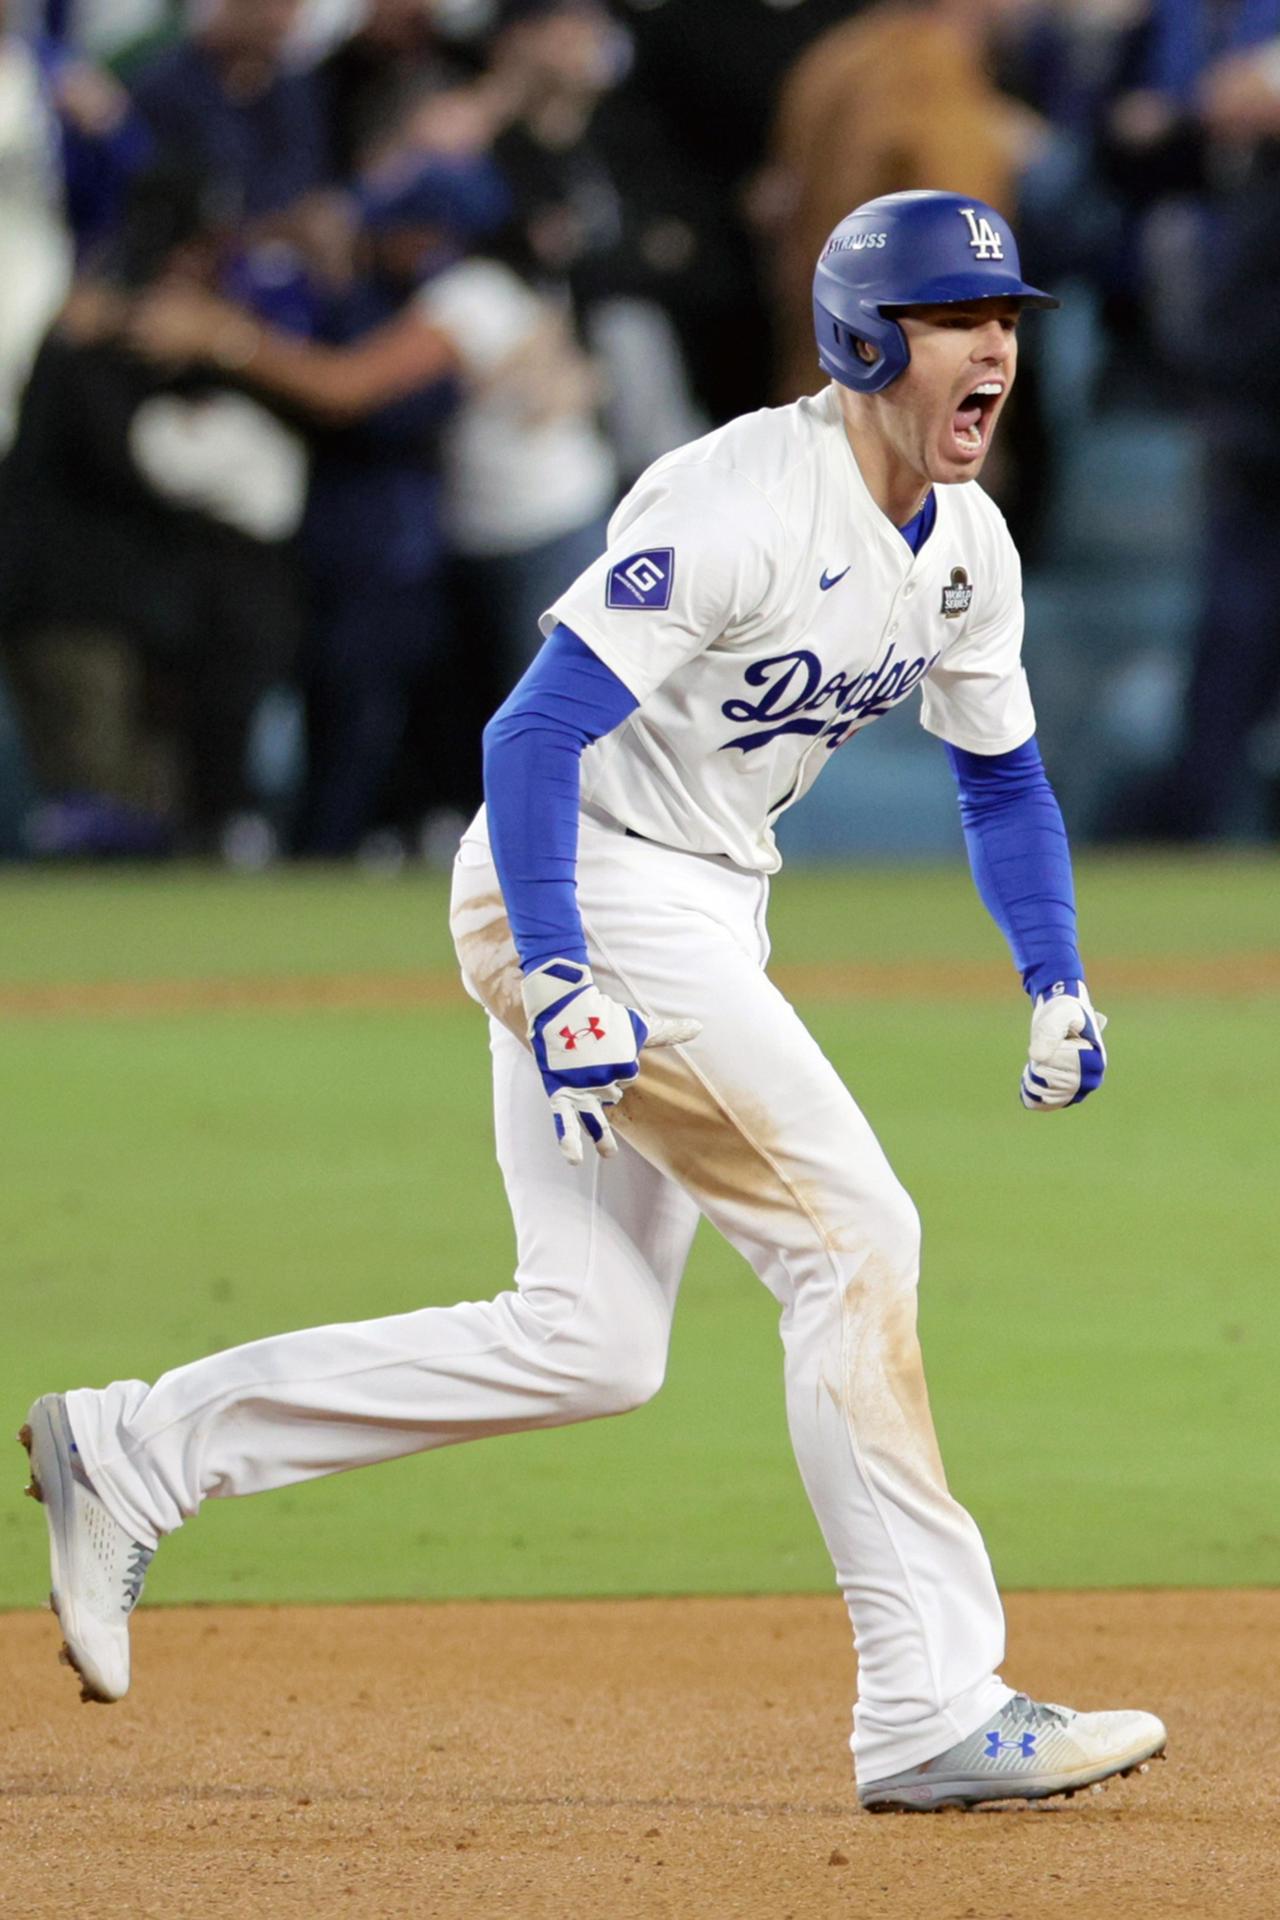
(1025, 1745)
(572, 1035)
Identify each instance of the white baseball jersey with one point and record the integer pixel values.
(763, 610)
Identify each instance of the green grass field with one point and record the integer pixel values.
(1099, 1309)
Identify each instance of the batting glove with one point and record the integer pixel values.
(1068, 1058)
(587, 1048)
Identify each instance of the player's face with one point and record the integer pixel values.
(940, 415)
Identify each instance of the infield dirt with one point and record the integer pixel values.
(603, 1760)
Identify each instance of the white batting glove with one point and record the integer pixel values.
(1067, 1057)
(587, 1048)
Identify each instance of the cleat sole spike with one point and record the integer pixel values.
(960, 1804)
(88, 1697)
(33, 1489)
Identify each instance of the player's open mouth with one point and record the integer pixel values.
(972, 419)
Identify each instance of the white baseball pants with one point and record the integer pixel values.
(749, 1125)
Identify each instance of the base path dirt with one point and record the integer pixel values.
(1224, 976)
(602, 1760)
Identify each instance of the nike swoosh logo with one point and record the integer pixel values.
(830, 580)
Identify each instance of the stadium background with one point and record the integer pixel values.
(242, 1092)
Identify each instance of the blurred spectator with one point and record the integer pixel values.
(35, 243)
(1069, 62)
(147, 588)
(709, 70)
(108, 29)
(68, 142)
(712, 69)
(532, 479)
(517, 466)
(383, 646)
(226, 99)
(1163, 157)
(391, 62)
(899, 98)
(1235, 679)
(603, 215)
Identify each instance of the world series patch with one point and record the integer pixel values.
(957, 598)
(642, 580)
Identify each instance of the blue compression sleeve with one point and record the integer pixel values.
(1020, 859)
(533, 747)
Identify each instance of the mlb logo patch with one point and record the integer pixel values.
(643, 580)
(957, 598)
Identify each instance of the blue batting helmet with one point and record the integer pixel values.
(907, 250)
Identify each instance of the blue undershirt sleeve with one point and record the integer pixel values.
(533, 748)
(1020, 859)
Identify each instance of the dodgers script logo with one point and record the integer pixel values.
(642, 580)
(798, 698)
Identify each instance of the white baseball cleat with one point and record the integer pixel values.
(1028, 1751)
(97, 1571)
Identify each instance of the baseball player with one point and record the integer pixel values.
(766, 593)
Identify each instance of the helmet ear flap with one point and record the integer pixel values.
(851, 343)
(866, 356)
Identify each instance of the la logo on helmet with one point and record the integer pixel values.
(983, 237)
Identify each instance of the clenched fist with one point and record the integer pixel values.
(1067, 1057)
(587, 1048)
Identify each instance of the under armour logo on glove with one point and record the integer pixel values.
(588, 1049)
(592, 1031)
(1067, 1057)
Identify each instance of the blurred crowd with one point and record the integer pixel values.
(332, 330)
